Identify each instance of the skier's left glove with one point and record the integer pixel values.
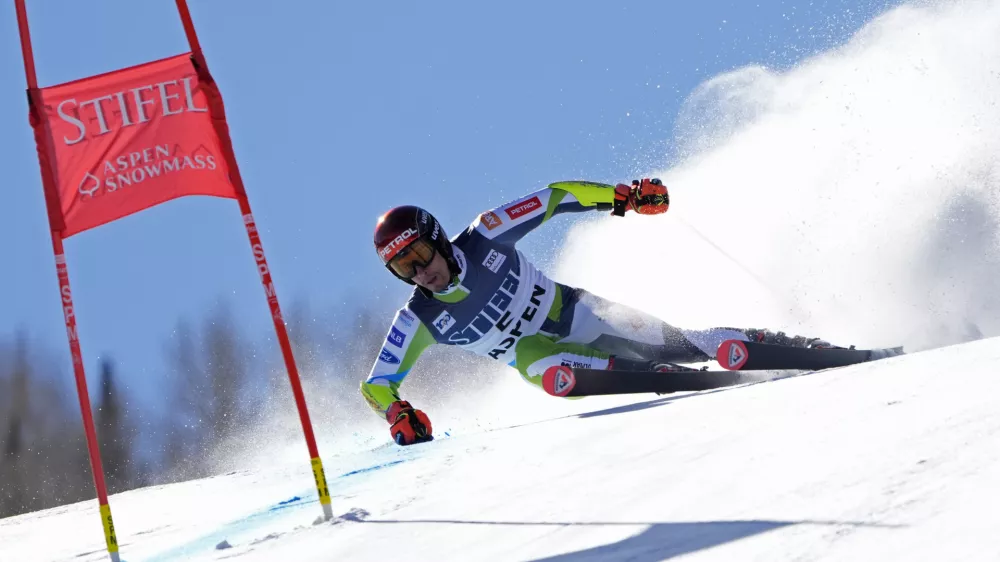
(646, 197)
(408, 426)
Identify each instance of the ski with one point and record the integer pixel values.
(563, 381)
(732, 355)
(736, 355)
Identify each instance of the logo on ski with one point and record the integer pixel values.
(732, 354)
(558, 380)
(735, 354)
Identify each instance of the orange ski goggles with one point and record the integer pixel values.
(419, 252)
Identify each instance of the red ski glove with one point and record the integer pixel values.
(648, 197)
(409, 426)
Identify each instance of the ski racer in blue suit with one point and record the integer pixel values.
(479, 292)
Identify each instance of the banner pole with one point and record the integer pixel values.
(217, 112)
(96, 467)
(66, 296)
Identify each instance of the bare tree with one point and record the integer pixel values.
(225, 365)
(44, 461)
(186, 407)
(113, 431)
(212, 398)
(11, 467)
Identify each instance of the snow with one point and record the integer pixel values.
(854, 196)
(895, 459)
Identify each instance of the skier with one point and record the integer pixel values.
(477, 291)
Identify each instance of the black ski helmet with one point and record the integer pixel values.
(401, 226)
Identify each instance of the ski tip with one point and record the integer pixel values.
(558, 380)
(732, 355)
(885, 353)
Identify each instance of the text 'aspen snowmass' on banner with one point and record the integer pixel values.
(127, 140)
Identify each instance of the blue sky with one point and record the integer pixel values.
(339, 111)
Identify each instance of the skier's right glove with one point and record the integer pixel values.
(648, 197)
(408, 425)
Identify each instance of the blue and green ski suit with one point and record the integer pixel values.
(500, 305)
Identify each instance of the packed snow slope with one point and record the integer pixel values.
(892, 460)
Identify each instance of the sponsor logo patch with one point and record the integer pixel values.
(732, 354)
(388, 357)
(405, 318)
(490, 220)
(494, 261)
(735, 355)
(518, 210)
(396, 337)
(444, 321)
(558, 381)
(397, 243)
(564, 381)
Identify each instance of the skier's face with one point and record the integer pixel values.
(435, 276)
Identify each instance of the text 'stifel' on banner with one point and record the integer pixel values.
(121, 142)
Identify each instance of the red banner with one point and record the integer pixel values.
(122, 142)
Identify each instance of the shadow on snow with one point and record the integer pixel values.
(659, 541)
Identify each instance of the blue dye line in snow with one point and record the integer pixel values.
(285, 504)
(250, 522)
(225, 532)
(371, 468)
